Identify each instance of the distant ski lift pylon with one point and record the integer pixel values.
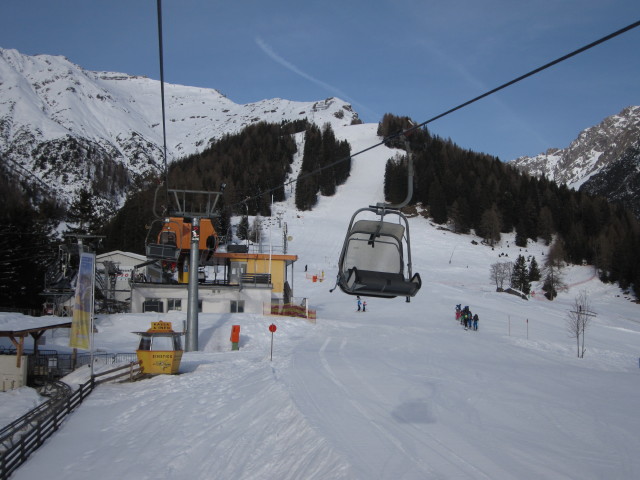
(372, 261)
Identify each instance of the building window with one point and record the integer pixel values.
(237, 306)
(152, 305)
(174, 304)
(178, 304)
(162, 344)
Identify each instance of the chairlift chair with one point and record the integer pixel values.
(166, 246)
(372, 261)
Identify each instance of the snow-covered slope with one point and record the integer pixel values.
(75, 128)
(595, 148)
(400, 392)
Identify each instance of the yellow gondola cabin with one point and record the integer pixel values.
(160, 350)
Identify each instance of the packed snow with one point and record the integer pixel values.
(400, 391)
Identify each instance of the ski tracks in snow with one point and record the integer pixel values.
(361, 416)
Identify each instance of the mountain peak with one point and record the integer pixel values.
(593, 149)
(62, 123)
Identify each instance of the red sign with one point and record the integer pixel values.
(272, 328)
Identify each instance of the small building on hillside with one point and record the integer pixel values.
(231, 282)
(113, 275)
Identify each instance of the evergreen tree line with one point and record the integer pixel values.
(321, 150)
(27, 241)
(472, 191)
(250, 164)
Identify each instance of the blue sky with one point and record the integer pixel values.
(406, 57)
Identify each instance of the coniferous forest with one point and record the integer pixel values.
(322, 152)
(253, 165)
(27, 246)
(475, 191)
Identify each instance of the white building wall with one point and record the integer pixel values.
(214, 299)
(125, 261)
(12, 377)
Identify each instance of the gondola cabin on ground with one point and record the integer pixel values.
(160, 349)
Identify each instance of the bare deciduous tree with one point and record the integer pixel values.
(500, 273)
(255, 232)
(552, 272)
(578, 320)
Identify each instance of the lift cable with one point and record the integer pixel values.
(27, 174)
(164, 128)
(462, 105)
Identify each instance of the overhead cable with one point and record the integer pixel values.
(462, 105)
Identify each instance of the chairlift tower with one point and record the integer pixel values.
(193, 204)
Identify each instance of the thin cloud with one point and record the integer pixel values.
(291, 67)
(471, 79)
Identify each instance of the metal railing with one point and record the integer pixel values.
(298, 307)
(21, 438)
(24, 436)
(50, 365)
(256, 279)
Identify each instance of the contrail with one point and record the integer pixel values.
(291, 67)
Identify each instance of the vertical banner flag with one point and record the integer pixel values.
(83, 304)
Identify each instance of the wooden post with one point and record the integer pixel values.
(19, 349)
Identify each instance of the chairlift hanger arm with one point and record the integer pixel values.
(409, 179)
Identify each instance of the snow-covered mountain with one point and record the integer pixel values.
(73, 128)
(597, 148)
(619, 181)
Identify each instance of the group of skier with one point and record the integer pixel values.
(362, 306)
(466, 318)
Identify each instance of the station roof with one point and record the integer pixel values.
(21, 326)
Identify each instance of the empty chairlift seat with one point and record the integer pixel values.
(166, 247)
(372, 262)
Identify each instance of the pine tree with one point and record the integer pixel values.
(82, 212)
(395, 180)
(519, 276)
(459, 214)
(534, 270)
(437, 203)
(490, 226)
(242, 232)
(545, 225)
(521, 234)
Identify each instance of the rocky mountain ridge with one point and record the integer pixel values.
(604, 160)
(594, 149)
(66, 129)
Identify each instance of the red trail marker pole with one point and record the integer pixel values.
(272, 329)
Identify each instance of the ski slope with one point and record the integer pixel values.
(401, 391)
